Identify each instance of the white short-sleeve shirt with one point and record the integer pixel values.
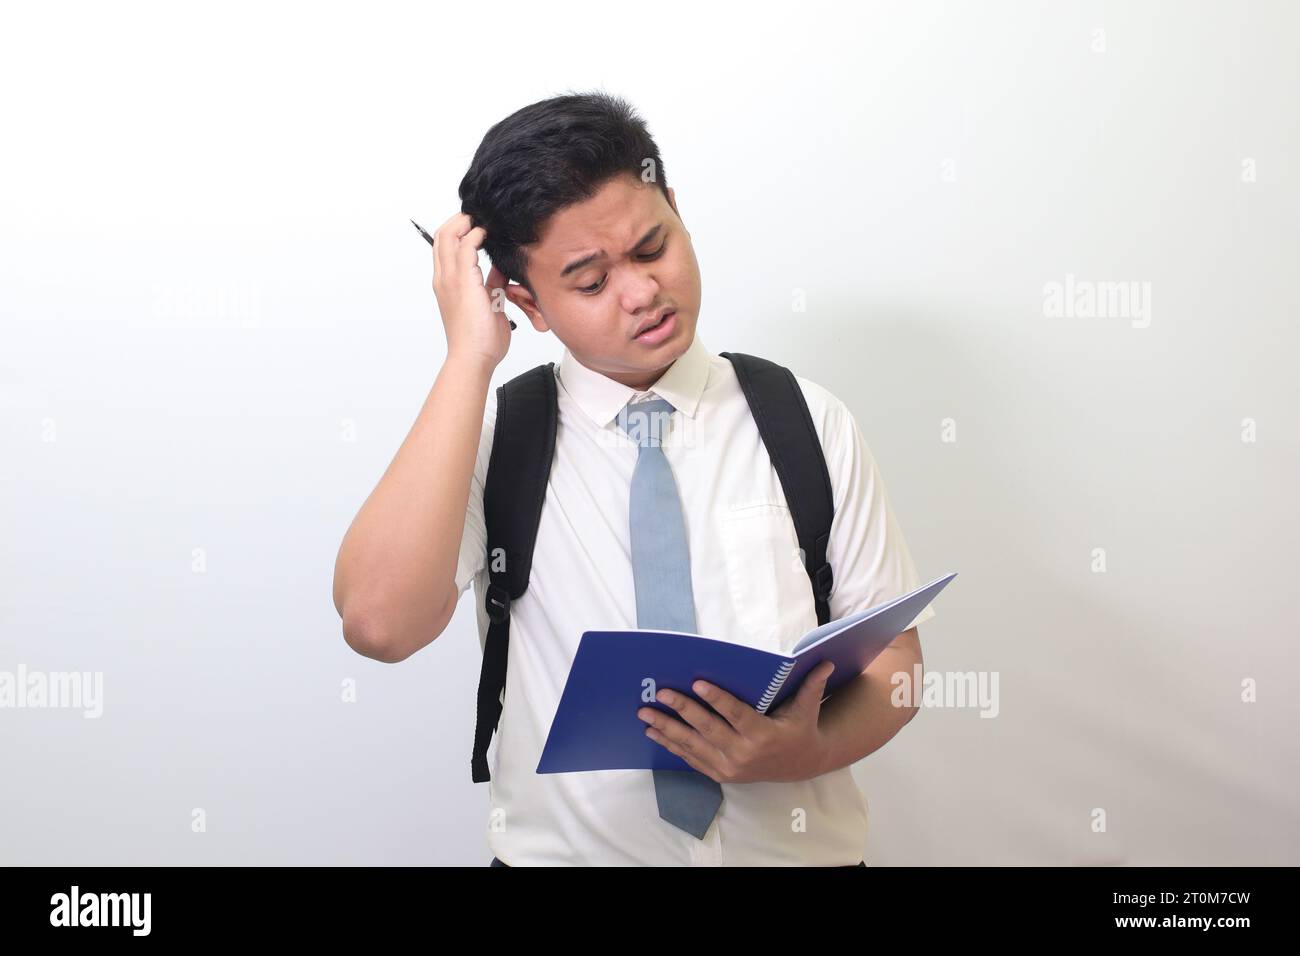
(749, 587)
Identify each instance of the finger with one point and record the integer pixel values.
(714, 727)
(467, 252)
(446, 243)
(739, 715)
(457, 224)
(690, 758)
(464, 223)
(496, 278)
(683, 735)
(496, 283)
(811, 691)
(470, 242)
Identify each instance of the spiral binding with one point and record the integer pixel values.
(774, 687)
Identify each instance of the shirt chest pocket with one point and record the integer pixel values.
(771, 596)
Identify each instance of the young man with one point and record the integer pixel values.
(569, 199)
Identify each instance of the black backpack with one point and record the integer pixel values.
(514, 491)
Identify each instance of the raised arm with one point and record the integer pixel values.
(394, 578)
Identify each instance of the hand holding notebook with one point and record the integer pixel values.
(617, 672)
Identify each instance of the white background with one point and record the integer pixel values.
(208, 284)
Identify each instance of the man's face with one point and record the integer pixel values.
(636, 260)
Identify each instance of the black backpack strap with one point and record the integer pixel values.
(781, 413)
(523, 443)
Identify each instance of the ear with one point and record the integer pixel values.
(524, 300)
(672, 201)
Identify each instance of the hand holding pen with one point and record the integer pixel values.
(472, 310)
(429, 239)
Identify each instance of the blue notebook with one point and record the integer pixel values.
(596, 726)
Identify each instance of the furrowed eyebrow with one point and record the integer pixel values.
(587, 260)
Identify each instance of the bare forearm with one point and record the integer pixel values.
(395, 575)
(859, 718)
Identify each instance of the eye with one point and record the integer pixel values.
(648, 257)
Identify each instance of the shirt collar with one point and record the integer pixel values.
(602, 398)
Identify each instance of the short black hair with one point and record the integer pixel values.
(546, 156)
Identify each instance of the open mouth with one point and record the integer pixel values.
(663, 325)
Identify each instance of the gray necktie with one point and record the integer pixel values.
(661, 572)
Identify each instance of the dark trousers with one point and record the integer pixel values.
(496, 862)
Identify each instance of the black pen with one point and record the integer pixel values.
(429, 239)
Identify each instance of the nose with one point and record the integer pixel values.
(641, 294)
